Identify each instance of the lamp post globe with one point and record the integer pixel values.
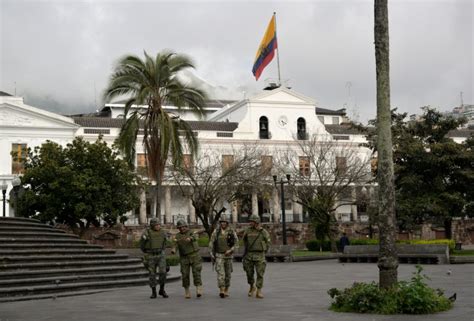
(4, 187)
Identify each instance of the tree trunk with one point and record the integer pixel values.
(388, 260)
(447, 228)
(142, 211)
(157, 213)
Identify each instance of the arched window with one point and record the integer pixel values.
(263, 128)
(301, 124)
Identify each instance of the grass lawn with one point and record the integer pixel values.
(310, 253)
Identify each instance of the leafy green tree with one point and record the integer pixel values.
(154, 82)
(77, 185)
(434, 174)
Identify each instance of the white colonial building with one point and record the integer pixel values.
(275, 120)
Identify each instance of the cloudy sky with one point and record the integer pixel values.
(59, 54)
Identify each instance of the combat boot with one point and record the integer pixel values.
(162, 292)
(153, 292)
(199, 291)
(252, 290)
(222, 292)
(187, 293)
(259, 294)
(226, 292)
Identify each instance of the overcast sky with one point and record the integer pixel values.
(61, 53)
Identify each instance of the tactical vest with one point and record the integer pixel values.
(256, 240)
(222, 244)
(186, 247)
(157, 240)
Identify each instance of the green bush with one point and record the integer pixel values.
(136, 244)
(450, 243)
(172, 260)
(315, 245)
(413, 297)
(364, 242)
(203, 241)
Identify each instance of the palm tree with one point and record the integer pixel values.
(154, 82)
(388, 261)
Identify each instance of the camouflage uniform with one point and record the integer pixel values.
(256, 242)
(153, 244)
(189, 258)
(223, 240)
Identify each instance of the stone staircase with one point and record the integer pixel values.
(38, 261)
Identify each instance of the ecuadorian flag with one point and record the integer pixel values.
(266, 50)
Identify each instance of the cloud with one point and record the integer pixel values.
(60, 54)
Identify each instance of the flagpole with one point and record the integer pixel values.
(278, 52)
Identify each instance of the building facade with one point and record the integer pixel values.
(277, 121)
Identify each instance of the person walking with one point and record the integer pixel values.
(222, 244)
(153, 243)
(257, 242)
(344, 241)
(189, 258)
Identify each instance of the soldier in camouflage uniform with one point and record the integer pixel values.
(222, 244)
(189, 258)
(257, 242)
(153, 243)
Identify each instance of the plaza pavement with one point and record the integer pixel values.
(293, 291)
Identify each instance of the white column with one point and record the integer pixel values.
(191, 212)
(142, 213)
(168, 218)
(254, 204)
(235, 216)
(276, 205)
(354, 206)
(297, 210)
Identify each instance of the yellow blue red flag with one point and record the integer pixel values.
(266, 50)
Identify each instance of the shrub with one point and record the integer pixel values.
(364, 242)
(172, 260)
(203, 241)
(450, 243)
(315, 245)
(413, 297)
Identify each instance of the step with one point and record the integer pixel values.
(64, 264)
(20, 223)
(52, 251)
(18, 219)
(33, 240)
(8, 229)
(21, 274)
(64, 279)
(49, 234)
(59, 258)
(52, 245)
(50, 289)
(50, 296)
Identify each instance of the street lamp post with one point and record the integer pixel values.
(4, 193)
(16, 182)
(282, 196)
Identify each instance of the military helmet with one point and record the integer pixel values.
(254, 218)
(154, 221)
(224, 218)
(181, 223)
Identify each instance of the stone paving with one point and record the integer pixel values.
(293, 291)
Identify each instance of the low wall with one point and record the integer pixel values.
(125, 236)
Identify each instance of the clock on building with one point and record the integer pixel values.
(282, 121)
